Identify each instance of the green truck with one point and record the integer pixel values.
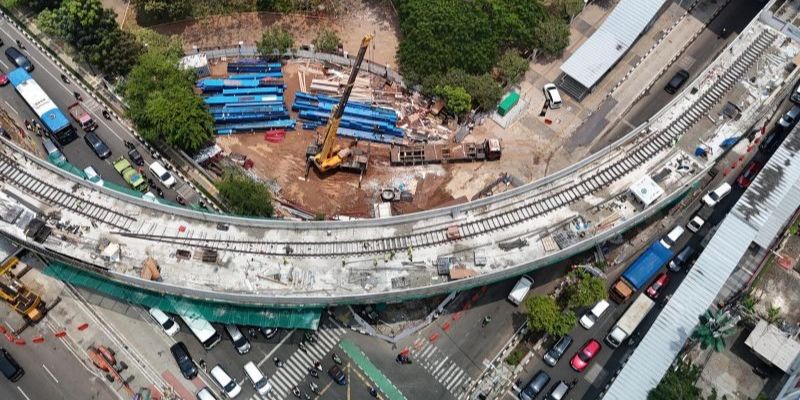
(130, 175)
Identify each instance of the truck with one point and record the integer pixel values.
(82, 117)
(442, 153)
(640, 272)
(629, 321)
(520, 290)
(129, 174)
(23, 300)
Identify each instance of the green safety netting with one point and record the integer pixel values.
(228, 313)
(72, 169)
(122, 189)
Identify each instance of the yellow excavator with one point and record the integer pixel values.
(327, 156)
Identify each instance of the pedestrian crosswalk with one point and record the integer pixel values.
(443, 369)
(295, 369)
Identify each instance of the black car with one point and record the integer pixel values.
(677, 81)
(17, 58)
(135, 157)
(682, 259)
(535, 386)
(558, 350)
(98, 145)
(337, 375)
(8, 365)
(184, 360)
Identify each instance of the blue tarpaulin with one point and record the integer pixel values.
(643, 269)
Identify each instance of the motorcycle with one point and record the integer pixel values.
(318, 365)
(278, 362)
(28, 125)
(65, 79)
(336, 359)
(486, 321)
(373, 392)
(180, 200)
(403, 359)
(296, 392)
(77, 96)
(250, 331)
(313, 372)
(160, 192)
(20, 45)
(309, 337)
(128, 145)
(106, 114)
(314, 387)
(302, 346)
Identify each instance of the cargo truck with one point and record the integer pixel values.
(520, 290)
(82, 117)
(130, 175)
(640, 272)
(630, 320)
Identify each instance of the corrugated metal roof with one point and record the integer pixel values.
(599, 53)
(758, 215)
(772, 198)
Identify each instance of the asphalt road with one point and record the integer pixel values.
(50, 369)
(733, 18)
(47, 75)
(591, 382)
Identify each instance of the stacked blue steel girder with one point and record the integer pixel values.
(360, 120)
(249, 100)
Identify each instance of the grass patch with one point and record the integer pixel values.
(516, 355)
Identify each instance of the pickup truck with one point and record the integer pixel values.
(129, 174)
(640, 272)
(82, 117)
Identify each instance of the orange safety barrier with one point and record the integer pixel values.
(446, 326)
(10, 337)
(2, 329)
(457, 315)
(38, 339)
(83, 326)
(725, 172)
(434, 337)
(61, 333)
(405, 351)
(20, 342)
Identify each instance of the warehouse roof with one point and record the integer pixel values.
(602, 50)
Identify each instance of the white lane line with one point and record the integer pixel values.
(50, 373)
(11, 108)
(23, 393)
(266, 357)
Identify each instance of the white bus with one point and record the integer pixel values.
(202, 330)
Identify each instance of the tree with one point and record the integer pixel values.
(713, 329)
(180, 118)
(483, 89)
(512, 66)
(456, 99)
(327, 41)
(157, 11)
(566, 9)
(37, 5)
(587, 291)
(274, 42)
(551, 36)
(545, 315)
(170, 46)
(245, 196)
(678, 384)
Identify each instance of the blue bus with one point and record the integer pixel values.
(56, 123)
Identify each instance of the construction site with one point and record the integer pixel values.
(409, 152)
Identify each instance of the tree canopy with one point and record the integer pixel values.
(512, 66)
(163, 105)
(587, 291)
(677, 384)
(551, 36)
(327, 41)
(456, 99)
(484, 91)
(94, 33)
(245, 196)
(545, 315)
(274, 42)
(157, 11)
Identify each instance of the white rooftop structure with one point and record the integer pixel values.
(646, 190)
(773, 345)
(603, 49)
(753, 218)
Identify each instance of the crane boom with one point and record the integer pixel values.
(327, 156)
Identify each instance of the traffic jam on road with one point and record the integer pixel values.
(109, 153)
(657, 272)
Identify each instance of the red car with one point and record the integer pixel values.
(746, 178)
(655, 289)
(582, 358)
(3, 79)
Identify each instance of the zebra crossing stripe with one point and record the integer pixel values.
(441, 364)
(443, 378)
(456, 379)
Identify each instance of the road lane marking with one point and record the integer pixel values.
(23, 393)
(11, 108)
(49, 373)
(266, 357)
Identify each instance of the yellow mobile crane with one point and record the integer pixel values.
(23, 300)
(327, 155)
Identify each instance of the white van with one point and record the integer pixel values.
(551, 93)
(162, 175)
(588, 319)
(672, 237)
(712, 198)
(520, 290)
(257, 378)
(167, 323)
(205, 394)
(228, 385)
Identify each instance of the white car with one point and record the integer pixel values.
(257, 378)
(93, 176)
(231, 388)
(168, 324)
(551, 93)
(162, 175)
(713, 197)
(672, 237)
